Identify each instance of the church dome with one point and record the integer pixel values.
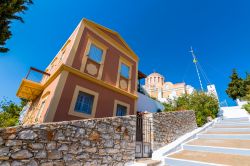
(155, 79)
(154, 74)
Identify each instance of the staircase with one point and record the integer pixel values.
(227, 142)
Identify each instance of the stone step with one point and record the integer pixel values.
(226, 132)
(230, 126)
(147, 162)
(225, 136)
(227, 143)
(233, 123)
(236, 119)
(181, 162)
(217, 149)
(229, 129)
(207, 158)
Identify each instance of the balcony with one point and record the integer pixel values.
(31, 87)
(140, 77)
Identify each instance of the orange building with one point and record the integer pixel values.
(93, 75)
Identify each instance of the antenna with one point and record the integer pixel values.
(195, 63)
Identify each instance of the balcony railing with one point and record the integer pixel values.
(36, 75)
(31, 87)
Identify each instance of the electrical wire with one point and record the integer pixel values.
(204, 74)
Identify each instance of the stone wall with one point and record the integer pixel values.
(107, 141)
(168, 126)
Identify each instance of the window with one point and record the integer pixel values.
(121, 110)
(124, 71)
(40, 110)
(84, 103)
(95, 53)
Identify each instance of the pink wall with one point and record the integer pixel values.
(105, 103)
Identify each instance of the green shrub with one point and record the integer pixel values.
(203, 104)
(247, 107)
(9, 112)
(168, 107)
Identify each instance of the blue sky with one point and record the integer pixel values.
(160, 32)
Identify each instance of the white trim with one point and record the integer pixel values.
(184, 162)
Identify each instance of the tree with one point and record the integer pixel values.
(8, 12)
(247, 85)
(203, 104)
(236, 88)
(9, 113)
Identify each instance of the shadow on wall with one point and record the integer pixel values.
(147, 104)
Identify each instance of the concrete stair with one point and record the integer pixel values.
(147, 162)
(227, 142)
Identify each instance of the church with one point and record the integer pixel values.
(157, 88)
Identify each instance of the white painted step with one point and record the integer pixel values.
(233, 112)
(225, 136)
(181, 162)
(235, 119)
(214, 149)
(233, 123)
(230, 129)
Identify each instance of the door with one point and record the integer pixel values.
(143, 136)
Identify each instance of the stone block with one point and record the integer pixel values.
(54, 154)
(36, 146)
(13, 142)
(41, 154)
(1, 141)
(5, 163)
(22, 154)
(51, 145)
(91, 150)
(27, 134)
(4, 151)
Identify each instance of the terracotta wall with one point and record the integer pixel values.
(62, 55)
(36, 104)
(111, 63)
(105, 103)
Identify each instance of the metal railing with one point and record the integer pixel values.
(36, 75)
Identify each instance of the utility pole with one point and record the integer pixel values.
(195, 63)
